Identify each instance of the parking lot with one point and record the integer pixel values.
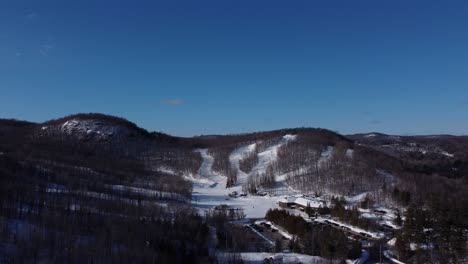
(269, 234)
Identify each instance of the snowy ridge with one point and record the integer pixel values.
(92, 128)
(415, 147)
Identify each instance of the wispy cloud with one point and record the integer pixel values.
(375, 122)
(175, 102)
(46, 49)
(31, 16)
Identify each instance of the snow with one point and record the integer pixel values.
(201, 182)
(352, 228)
(166, 170)
(236, 156)
(299, 171)
(309, 202)
(445, 153)
(357, 198)
(206, 196)
(424, 149)
(261, 235)
(280, 230)
(147, 192)
(302, 201)
(326, 156)
(363, 258)
(259, 257)
(415, 246)
(87, 127)
(288, 199)
(188, 176)
(55, 188)
(392, 242)
(383, 219)
(387, 177)
(270, 155)
(393, 260)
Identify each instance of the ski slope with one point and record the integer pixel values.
(266, 157)
(236, 156)
(206, 196)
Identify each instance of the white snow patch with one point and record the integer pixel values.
(445, 153)
(87, 127)
(392, 242)
(167, 170)
(357, 198)
(326, 156)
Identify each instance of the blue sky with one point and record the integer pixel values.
(207, 67)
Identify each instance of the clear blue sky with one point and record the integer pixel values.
(206, 67)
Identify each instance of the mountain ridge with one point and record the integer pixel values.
(125, 122)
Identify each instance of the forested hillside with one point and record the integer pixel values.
(94, 188)
(97, 188)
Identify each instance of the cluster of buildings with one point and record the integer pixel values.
(300, 202)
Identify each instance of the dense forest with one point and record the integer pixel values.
(69, 199)
(97, 188)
